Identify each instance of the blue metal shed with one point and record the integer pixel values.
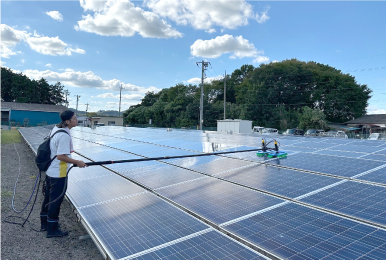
(28, 114)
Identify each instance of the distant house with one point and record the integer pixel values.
(106, 120)
(369, 123)
(83, 121)
(28, 114)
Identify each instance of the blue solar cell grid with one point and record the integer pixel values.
(217, 200)
(297, 232)
(211, 245)
(131, 225)
(340, 166)
(160, 175)
(280, 181)
(356, 199)
(101, 189)
(210, 164)
(375, 176)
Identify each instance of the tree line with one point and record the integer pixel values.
(17, 87)
(280, 95)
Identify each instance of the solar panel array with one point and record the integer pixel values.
(325, 200)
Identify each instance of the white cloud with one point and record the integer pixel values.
(86, 79)
(10, 37)
(211, 30)
(122, 18)
(55, 15)
(124, 97)
(261, 59)
(206, 80)
(49, 65)
(92, 5)
(51, 46)
(206, 14)
(238, 46)
(263, 17)
(106, 95)
(375, 110)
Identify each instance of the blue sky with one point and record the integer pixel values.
(92, 47)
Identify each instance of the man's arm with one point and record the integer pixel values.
(65, 158)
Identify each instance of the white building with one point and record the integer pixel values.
(234, 126)
(106, 120)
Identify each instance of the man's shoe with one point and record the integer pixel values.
(54, 231)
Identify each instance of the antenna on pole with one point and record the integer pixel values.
(204, 64)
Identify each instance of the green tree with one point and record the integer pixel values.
(312, 119)
(16, 87)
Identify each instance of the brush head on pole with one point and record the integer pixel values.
(275, 154)
(261, 153)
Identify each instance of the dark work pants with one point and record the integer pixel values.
(54, 188)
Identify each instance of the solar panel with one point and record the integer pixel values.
(289, 183)
(376, 157)
(210, 245)
(161, 175)
(210, 164)
(342, 153)
(134, 224)
(357, 148)
(101, 189)
(297, 232)
(216, 200)
(355, 199)
(340, 166)
(375, 176)
(261, 208)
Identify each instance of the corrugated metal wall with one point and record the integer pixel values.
(35, 117)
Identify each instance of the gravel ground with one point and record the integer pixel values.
(22, 242)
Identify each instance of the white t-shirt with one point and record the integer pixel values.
(59, 144)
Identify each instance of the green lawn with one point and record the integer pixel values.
(10, 136)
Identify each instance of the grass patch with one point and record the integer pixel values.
(6, 194)
(10, 136)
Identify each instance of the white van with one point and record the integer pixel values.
(270, 131)
(377, 136)
(258, 129)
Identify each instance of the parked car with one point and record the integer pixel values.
(270, 131)
(294, 131)
(377, 136)
(258, 129)
(339, 134)
(314, 132)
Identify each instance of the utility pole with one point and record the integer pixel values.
(225, 93)
(77, 99)
(86, 115)
(120, 95)
(204, 64)
(66, 93)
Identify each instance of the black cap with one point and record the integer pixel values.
(66, 115)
